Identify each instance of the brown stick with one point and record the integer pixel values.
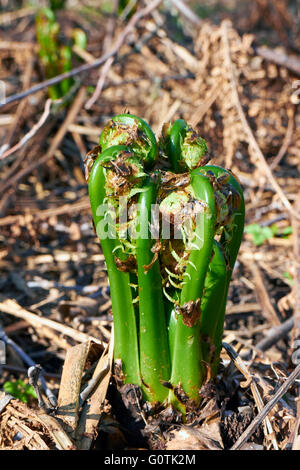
(14, 15)
(291, 63)
(296, 286)
(264, 412)
(187, 12)
(74, 110)
(209, 100)
(100, 83)
(240, 365)
(263, 296)
(286, 141)
(20, 108)
(81, 205)
(31, 133)
(275, 334)
(108, 63)
(11, 307)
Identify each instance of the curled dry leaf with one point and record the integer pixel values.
(93, 408)
(70, 387)
(22, 428)
(206, 437)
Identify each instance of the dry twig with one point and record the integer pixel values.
(20, 108)
(268, 430)
(291, 63)
(266, 410)
(72, 114)
(32, 132)
(263, 296)
(13, 308)
(296, 286)
(251, 139)
(130, 26)
(286, 141)
(275, 334)
(15, 15)
(187, 12)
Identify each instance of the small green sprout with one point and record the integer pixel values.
(56, 57)
(262, 233)
(289, 278)
(286, 231)
(20, 390)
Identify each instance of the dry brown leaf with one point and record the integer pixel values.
(206, 437)
(92, 410)
(68, 398)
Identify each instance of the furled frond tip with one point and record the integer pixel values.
(123, 170)
(135, 133)
(184, 147)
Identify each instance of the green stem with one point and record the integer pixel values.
(230, 241)
(154, 348)
(187, 367)
(174, 138)
(65, 66)
(212, 302)
(126, 342)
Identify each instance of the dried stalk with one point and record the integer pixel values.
(239, 364)
(264, 412)
(262, 163)
(12, 308)
(32, 132)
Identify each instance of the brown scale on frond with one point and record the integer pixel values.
(226, 197)
(89, 160)
(117, 185)
(204, 161)
(233, 202)
(174, 181)
(193, 137)
(156, 248)
(222, 180)
(190, 312)
(121, 174)
(211, 176)
(180, 267)
(126, 266)
(234, 175)
(182, 218)
(193, 208)
(236, 198)
(120, 165)
(133, 132)
(183, 398)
